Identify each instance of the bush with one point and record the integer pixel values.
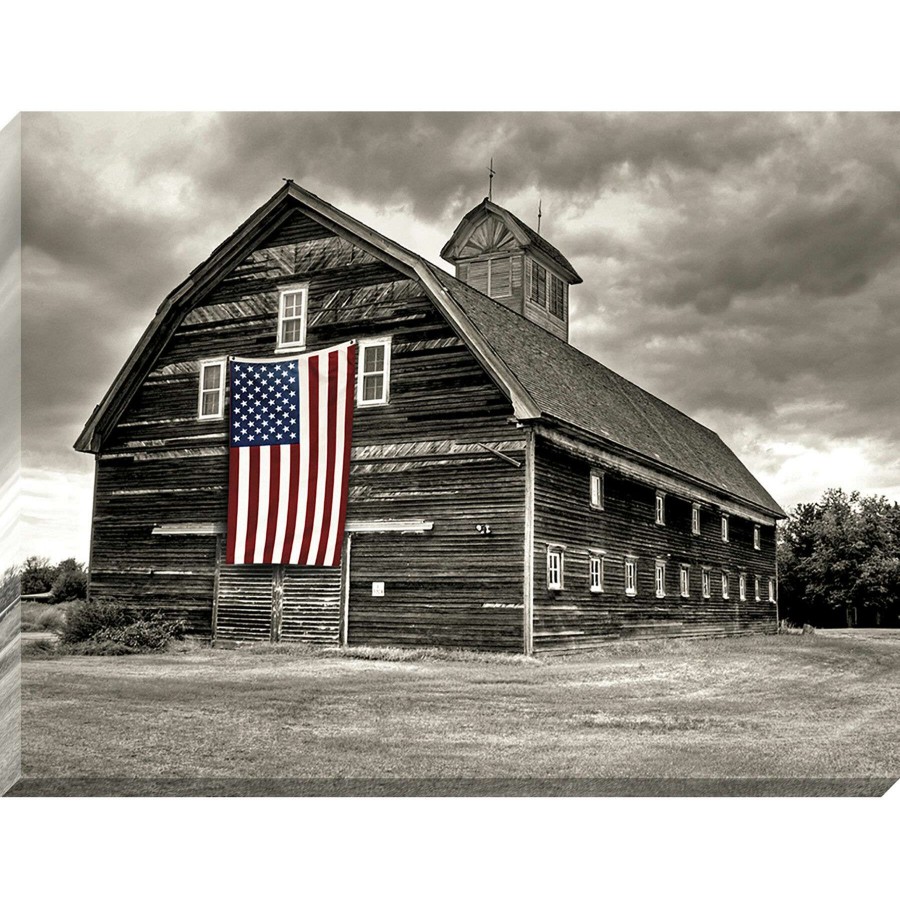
(70, 584)
(42, 617)
(106, 628)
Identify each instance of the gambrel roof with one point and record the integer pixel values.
(544, 377)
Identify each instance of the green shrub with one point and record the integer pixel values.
(70, 584)
(106, 628)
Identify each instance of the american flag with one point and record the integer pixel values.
(289, 457)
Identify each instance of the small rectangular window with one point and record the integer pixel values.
(373, 378)
(724, 528)
(742, 586)
(541, 278)
(597, 573)
(660, 578)
(211, 401)
(597, 489)
(771, 590)
(660, 508)
(685, 581)
(554, 569)
(707, 592)
(725, 586)
(695, 518)
(756, 542)
(556, 293)
(631, 577)
(756, 587)
(292, 311)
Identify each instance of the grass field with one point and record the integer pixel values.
(787, 706)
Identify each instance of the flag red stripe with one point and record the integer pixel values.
(252, 504)
(234, 461)
(331, 422)
(312, 441)
(274, 500)
(348, 436)
(293, 499)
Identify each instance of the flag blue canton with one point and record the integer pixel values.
(265, 404)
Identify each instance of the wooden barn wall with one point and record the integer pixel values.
(418, 457)
(574, 618)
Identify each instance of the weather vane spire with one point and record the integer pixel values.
(539, 215)
(491, 174)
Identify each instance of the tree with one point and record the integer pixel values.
(37, 575)
(839, 561)
(70, 582)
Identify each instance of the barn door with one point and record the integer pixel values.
(280, 603)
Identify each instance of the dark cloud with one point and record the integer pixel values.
(746, 267)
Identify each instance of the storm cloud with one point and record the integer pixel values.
(744, 267)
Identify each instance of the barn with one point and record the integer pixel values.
(507, 492)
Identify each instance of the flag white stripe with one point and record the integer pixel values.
(240, 542)
(284, 480)
(262, 516)
(339, 422)
(322, 473)
(303, 392)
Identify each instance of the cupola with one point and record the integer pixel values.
(498, 254)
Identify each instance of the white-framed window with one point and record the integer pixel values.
(742, 586)
(536, 283)
(631, 577)
(211, 397)
(695, 518)
(660, 508)
(725, 527)
(554, 568)
(292, 312)
(771, 590)
(726, 587)
(756, 587)
(706, 586)
(685, 580)
(598, 566)
(660, 578)
(373, 379)
(597, 489)
(756, 541)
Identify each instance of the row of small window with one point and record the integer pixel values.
(598, 577)
(598, 499)
(372, 381)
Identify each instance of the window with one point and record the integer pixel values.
(725, 586)
(597, 489)
(211, 402)
(695, 518)
(660, 578)
(597, 573)
(756, 587)
(724, 528)
(631, 577)
(706, 587)
(685, 581)
(660, 508)
(554, 568)
(540, 285)
(556, 293)
(373, 379)
(756, 537)
(292, 304)
(771, 590)
(742, 586)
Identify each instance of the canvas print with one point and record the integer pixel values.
(459, 454)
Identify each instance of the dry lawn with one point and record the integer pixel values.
(786, 706)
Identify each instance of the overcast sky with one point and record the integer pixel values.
(744, 267)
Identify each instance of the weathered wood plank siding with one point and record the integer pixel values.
(574, 618)
(417, 457)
